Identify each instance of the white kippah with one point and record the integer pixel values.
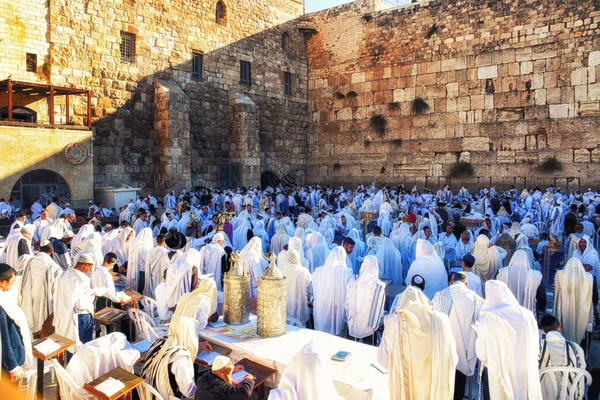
(220, 363)
(84, 258)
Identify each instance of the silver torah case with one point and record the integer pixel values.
(236, 294)
(271, 306)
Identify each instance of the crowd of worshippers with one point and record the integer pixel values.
(475, 297)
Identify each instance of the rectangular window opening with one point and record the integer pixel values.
(127, 47)
(197, 62)
(245, 73)
(31, 62)
(287, 83)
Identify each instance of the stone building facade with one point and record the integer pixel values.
(169, 110)
(401, 95)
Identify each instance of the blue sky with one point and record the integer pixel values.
(316, 5)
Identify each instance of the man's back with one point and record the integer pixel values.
(556, 351)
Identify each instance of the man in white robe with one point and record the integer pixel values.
(37, 286)
(573, 290)
(141, 222)
(418, 349)
(254, 263)
(365, 300)
(136, 264)
(279, 240)
(199, 304)
(329, 287)
(390, 261)
(522, 280)
(212, 259)
(18, 244)
(40, 224)
(508, 345)
(299, 286)
(36, 209)
(154, 274)
(588, 255)
(488, 259)
(557, 221)
(182, 276)
(429, 265)
(462, 306)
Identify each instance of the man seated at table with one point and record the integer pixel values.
(217, 383)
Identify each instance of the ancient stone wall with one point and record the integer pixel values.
(81, 42)
(401, 95)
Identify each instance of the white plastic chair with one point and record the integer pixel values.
(150, 307)
(29, 382)
(68, 388)
(571, 385)
(145, 327)
(541, 226)
(294, 322)
(147, 392)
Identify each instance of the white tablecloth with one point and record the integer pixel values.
(354, 378)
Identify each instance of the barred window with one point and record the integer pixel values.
(245, 73)
(31, 62)
(127, 47)
(197, 62)
(287, 83)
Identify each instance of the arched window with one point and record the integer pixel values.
(40, 183)
(285, 42)
(221, 13)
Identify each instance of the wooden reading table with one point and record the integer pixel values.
(109, 316)
(260, 372)
(130, 381)
(64, 344)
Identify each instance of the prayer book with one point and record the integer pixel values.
(143, 346)
(110, 386)
(238, 377)
(122, 297)
(48, 346)
(207, 357)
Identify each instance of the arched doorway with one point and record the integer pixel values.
(40, 183)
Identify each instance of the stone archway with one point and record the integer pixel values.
(41, 183)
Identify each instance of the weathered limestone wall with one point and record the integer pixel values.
(245, 137)
(508, 84)
(45, 150)
(85, 53)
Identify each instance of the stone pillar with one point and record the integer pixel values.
(245, 139)
(172, 125)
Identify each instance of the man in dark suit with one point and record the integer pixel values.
(13, 350)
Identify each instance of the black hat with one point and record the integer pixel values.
(175, 240)
(418, 281)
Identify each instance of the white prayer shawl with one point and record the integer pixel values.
(137, 256)
(522, 243)
(107, 238)
(522, 280)
(153, 272)
(589, 256)
(430, 267)
(100, 356)
(297, 245)
(358, 253)
(329, 288)
(573, 289)
(279, 240)
(488, 260)
(211, 260)
(365, 300)
(179, 275)
(199, 304)
(139, 225)
(405, 245)
(181, 343)
(8, 302)
(462, 307)
(254, 263)
(65, 317)
(37, 288)
(240, 234)
(304, 220)
(298, 282)
(508, 345)
(11, 250)
(120, 245)
(307, 376)
(92, 246)
(81, 236)
(316, 250)
(390, 261)
(558, 353)
(418, 349)
(558, 222)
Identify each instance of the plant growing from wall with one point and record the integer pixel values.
(432, 31)
(419, 106)
(550, 165)
(366, 18)
(367, 142)
(339, 95)
(395, 106)
(379, 124)
(337, 166)
(351, 94)
(397, 142)
(47, 69)
(383, 170)
(461, 169)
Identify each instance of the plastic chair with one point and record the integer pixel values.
(68, 389)
(150, 307)
(145, 327)
(571, 386)
(541, 226)
(147, 392)
(29, 382)
(294, 322)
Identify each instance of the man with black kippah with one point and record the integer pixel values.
(474, 281)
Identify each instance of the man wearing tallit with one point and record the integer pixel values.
(299, 286)
(390, 261)
(214, 259)
(199, 304)
(18, 243)
(182, 276)
(462, 306)
(254, 263)
(418, 349)
(508, 345)
(588, 255)
(488, 259)
(37, 286)
(573, 289)
(429, 265)
(280, 239)
(365, 300)
(136, 265)
(162, 257)
(522, 280)
(329, 287)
